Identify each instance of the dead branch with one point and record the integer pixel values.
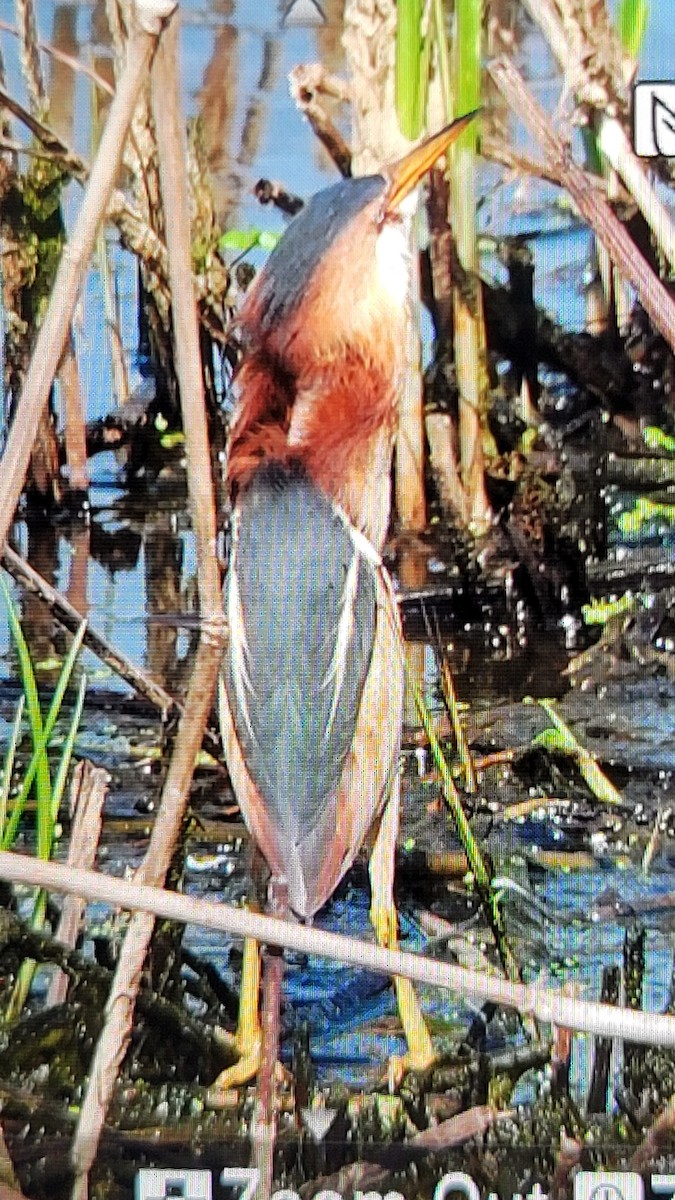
(307, 83)
(654, 297)
(69, 617)
(535, 999)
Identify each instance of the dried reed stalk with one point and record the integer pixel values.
(115, 1035)
(595, 69)
(653, 296)
(68, 60)
(75, 434)
(88, 790)
(545, 1004)
(264, 1124)
(72, 618)
(441, 427)
(617, 150)
(119, 1010)
(173, 155)
(31, 67)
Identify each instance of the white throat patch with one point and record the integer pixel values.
(393, 260)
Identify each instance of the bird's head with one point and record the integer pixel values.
(341, 269)
(323, 332)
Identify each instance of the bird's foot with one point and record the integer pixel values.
(418, 1060)
(420, 1055)
(222, 1092)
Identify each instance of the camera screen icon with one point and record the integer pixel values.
(160, 1183)
(654, 119)
(608, 1185)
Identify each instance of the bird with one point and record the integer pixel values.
(311, 693)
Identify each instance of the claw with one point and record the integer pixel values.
(247, 1041)
(420, 1054)
(221, 1092)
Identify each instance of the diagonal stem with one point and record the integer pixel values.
(654, 297)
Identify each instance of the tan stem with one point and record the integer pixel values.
(114, 1039)
(89, 788)
(653, 1029)
(76, 441)
(411, 505)
(119, 1011)
(171, 142)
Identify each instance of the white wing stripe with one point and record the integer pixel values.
(336, 671)
(238, 647)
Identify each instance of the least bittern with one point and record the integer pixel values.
(312, 696)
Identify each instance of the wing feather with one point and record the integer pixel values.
(301, 600)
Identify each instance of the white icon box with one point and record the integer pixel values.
(663, 1185)
(608, 1185)
(654, 119)
(160, 1183)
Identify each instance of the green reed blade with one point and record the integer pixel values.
(67, 752)
(8, 765)
(40, 746)
(39, 765)
(411, 68)
(468, 47)
(441, 43)
(632, 22)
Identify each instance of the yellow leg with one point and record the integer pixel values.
(248, 1037)
(384, 918)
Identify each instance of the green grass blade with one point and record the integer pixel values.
(46, 838)
(8, 765)
(470, 846)
(64, 677)
(633, 17)
(39, 766)
(603, 789)
(411, 68)
(67, 753)
(50, 720)
(48, 798)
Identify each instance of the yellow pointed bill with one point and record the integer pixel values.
(407, 172)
